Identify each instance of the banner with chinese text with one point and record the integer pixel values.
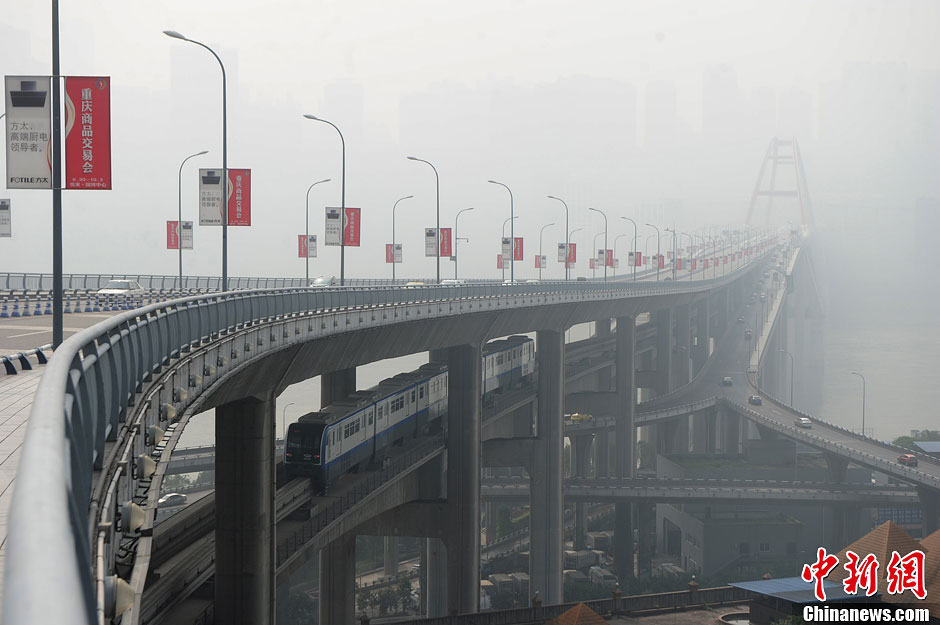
(393, 253)
(6, 219)
(29, 132)
(430, 242)
(306, 246)
(172, 235)
(332, 228)
(517, 249)
(88, 132)
(210, 197)
(351, 227)
(239, 197)
(446, 248)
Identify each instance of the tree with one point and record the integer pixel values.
(386, 600)
(403, 591)
(364, 599)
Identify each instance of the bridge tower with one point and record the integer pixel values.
(783, 157)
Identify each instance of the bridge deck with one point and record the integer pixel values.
(16, 400)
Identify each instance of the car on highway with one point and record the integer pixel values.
(740, 319)
(414, 283)
(452, 281)
(909, 460)
(727, 381)
(121, 287)
(755, 400)
(321, 282)
(802, 422)
(171, 499)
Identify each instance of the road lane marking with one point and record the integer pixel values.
(16, 336)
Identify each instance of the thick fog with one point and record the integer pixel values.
(658, 111)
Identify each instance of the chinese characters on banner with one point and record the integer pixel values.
(306, 247)
(239, 197)
(88, 132)
(210, 197)
(507, 252)
(499, 261)
(430, 242)
(332, 228)
(351, 227)
(393, 253)
(631, 259)
(902, 573)
(186, 235)
(517, 249)
(540, 261)
(572, 254)
(446, 248)
(662, 261)
(609, 258)
(6, 221)
(29, 132)
(561, 252)
(172, 235)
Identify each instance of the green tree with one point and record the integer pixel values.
(387, 599)
(364, 599)
(403, 591)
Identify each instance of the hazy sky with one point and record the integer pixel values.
(463, 85)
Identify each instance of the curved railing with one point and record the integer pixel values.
(79, 423)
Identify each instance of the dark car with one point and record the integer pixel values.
(755, 400)
(909, 460)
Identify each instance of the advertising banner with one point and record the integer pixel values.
(332, 228)
(306, 247)
(599, 260)
(210, 197)
(706, 263)
(631, 259)
(678, 264)
(507, 251)
(726, 260)
(88, 132)
(239, 197)
(591, 263)
(186, 235)
(640, 261)
(572, 254)
(499, 261)
(561, 252)
(393, 253)
(541, 261)
(609, 258)
(6, 221)
(517, 249)
(352, 225)
(29, 132)
(616, 263)
(662, 261)
(172, 235)
(430, 242)
(446, 248)
(694, 264)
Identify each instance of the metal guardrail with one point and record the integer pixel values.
(22, 358)
(83, 398)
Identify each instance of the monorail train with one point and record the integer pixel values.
(358, 430)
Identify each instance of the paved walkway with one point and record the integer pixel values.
(16, 400)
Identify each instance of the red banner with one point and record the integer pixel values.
(572, 254)
(638, 259)
(351, 227)
(446, 249)
(726, 260)
(389, 253)
(301, 246)
(499, 261)
(662, 261)
(239, 197)
(694, 264)
(538, 261)
(590, 263)
(516, 248)
(706, 263)
(678, 264)
(609, 258)
(87, 132)
(172, 235)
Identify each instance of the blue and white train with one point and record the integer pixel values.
(357, 431)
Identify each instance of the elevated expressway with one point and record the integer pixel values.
(129, 380)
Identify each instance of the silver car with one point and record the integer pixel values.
(121, 287)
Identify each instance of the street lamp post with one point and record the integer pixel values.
(594, 271)
(512, 233)
(437, 195)
(783, 351)
(597, 210)
(674, 250)
(456, 219)
(567, 234)
(342, 221)
(284, 419)
(634, 245)
(176, 35)
(540, 247)
(691, 245)
(863, 399)
(617, 238)
(394, 206)
(179, 222)
(511, 250)
(570, 235)
(658, 254)
(307, 229)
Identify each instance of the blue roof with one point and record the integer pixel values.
(928, 447)
(795, 590)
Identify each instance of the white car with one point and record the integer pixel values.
(121, 287)
(452, 281)
(322, 282)
(171, 499)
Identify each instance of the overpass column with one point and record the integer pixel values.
(625, 463)
(601, 455)
(244, 511)
(391, 556)
(337, 581)
(580, 446)
(545, 475)
(700, 355)
(663, 321)
(700, 431)
(930, 503)
(837, 467)
(337, 385)
(683, 345)
(602, 330)
(434, 570)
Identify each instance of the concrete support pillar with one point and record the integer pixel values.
(464, 429)
(581, 446)
(930, 504)
(683, 346)
(601, 455)
(699, 432)
(337, 581)
(391, 556)
(437, 578)
(437, 355)
(732, 442)
(680, 439)
(711, 428)
(836, 468)
(663, 321)
(337, 385)
(646, 535)
(625, 462)
(700, 353)
(602, 327)
(546, 519)
(244, 509)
